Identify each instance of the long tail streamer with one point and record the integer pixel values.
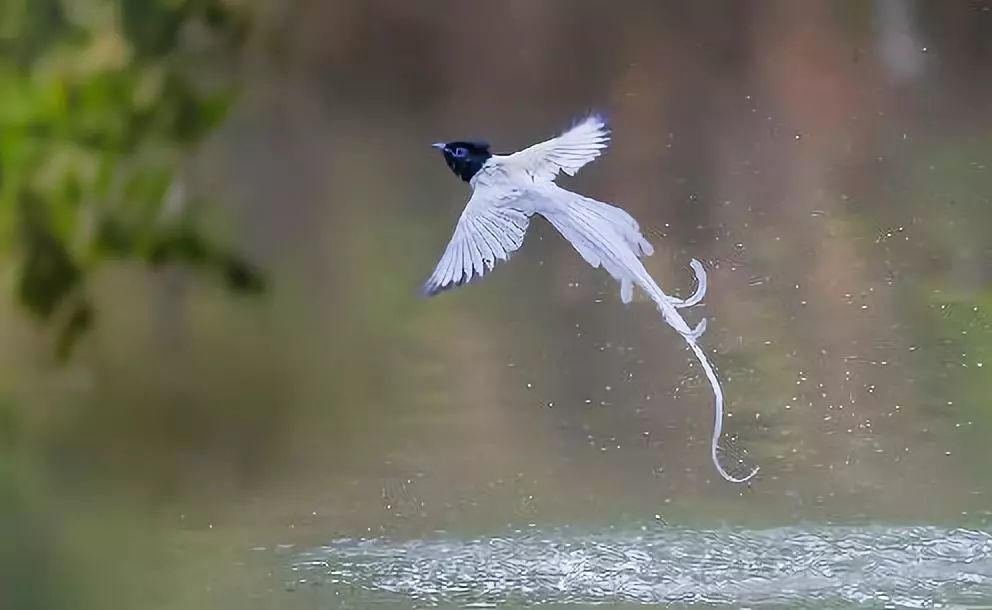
(609, 237)
(668, 307)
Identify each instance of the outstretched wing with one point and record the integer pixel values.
(566, 153)
(487, 232)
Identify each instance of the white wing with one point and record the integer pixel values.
(489, 230)
(567, 153)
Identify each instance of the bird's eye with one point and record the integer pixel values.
(460, 152)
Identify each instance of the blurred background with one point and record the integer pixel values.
(215, 216)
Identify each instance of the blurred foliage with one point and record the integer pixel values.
(100, 100)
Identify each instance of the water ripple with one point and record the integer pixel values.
(877, 567)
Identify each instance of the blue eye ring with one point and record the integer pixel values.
(460, 152)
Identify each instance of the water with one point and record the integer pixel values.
(529, 439)
(811, 566)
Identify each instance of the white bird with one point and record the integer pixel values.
(508, 189)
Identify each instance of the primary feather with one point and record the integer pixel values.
(485, 234)
(566, 153)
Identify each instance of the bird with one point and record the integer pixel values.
(509, 189)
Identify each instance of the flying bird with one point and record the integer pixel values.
(507, 190)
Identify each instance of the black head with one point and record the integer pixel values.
(464, 158)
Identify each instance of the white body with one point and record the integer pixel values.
(509, 189)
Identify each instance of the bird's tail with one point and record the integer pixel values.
(604, 235)
(609, 237)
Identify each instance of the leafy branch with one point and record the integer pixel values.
(100, 101)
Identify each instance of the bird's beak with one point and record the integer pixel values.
(438, 145)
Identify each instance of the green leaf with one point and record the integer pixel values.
(151, 26)
(48, 274)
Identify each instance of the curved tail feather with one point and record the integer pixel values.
(607, 236)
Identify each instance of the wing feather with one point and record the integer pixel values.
(494, 239)
(485, 234)
(567, 153)
(478, 266)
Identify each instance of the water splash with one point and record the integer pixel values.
(864, 567)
